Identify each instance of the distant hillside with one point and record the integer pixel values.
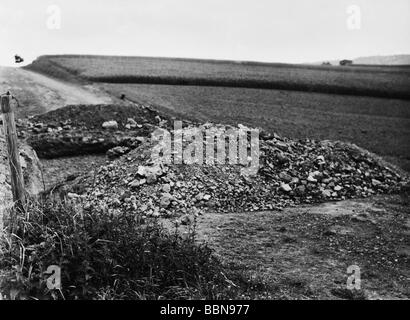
(402, 59)
(377, 81)
(394, 60)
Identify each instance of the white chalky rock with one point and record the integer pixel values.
(110, 125)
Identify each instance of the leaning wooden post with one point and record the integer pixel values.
(10, 134)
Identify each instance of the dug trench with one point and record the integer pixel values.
(87, 129)
(294, 230)
(76, 139)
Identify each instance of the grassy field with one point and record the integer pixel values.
(322, 102)
(379, 81)
(380, 125)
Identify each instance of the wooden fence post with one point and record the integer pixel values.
(10, 134)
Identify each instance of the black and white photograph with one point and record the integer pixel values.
(204, 156)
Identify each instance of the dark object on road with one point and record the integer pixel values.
(346, 62)
(18, 59)
(122, 97)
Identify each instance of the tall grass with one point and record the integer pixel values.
(103, 255)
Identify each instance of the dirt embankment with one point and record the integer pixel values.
(77, 139)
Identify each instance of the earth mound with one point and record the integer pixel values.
(289, 172)
(89, 129)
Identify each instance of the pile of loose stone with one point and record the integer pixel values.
(290, 172)
(65, 136)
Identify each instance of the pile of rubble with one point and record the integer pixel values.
(96, 129)
(290, 172)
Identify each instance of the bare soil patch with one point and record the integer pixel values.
(304, 252)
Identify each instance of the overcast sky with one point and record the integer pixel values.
(262, 30)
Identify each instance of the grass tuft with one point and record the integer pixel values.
(105, 256)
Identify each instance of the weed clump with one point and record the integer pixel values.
(103, 256)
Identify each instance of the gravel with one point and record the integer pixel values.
(291, 172)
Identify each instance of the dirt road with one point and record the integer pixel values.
(38, 93)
